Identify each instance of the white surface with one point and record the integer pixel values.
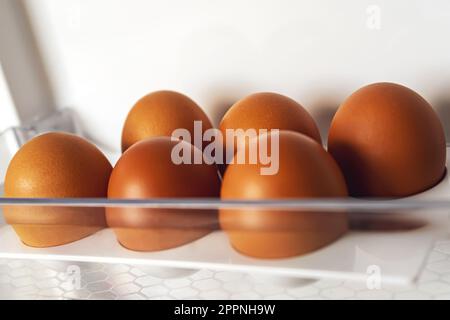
(399, 255)
(31, 279)
(102, 55)
(8, 116)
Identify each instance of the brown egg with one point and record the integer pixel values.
(388, 141)
(56, 165)
(266, 110)
(305, 170)
(159, 114)
(145, 171)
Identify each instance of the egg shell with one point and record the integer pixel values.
(388, 141)
(145, 171)
(56, 165)
(267, 110)
(306, 170)
(159, 114)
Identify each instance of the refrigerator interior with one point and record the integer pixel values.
(79, 66)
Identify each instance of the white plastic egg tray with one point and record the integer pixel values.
(397, 256)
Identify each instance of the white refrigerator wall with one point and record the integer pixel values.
(8, 114)
(102, 55)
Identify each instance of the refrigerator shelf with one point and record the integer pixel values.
(387, 236)
(392, 237)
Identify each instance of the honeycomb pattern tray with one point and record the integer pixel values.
(25, 279)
